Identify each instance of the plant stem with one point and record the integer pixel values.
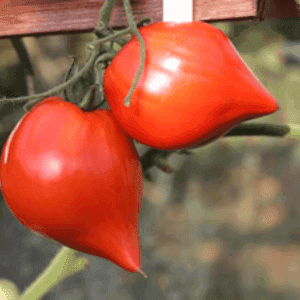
(25, 60)
(103, 34)
(36, 98)
(64, 264)
(136, 32)
(116, 34)
(23, 54)
(67, 76)
(109, 38)
(150, 158)
(265, 129)
(88, 99)
(105, 12)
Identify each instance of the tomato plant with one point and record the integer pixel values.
(194, 86)
(75, 177)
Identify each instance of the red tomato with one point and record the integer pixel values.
(194, 86)
(75, 177)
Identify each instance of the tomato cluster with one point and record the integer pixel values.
(76, 177)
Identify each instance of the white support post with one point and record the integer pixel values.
(178, 10)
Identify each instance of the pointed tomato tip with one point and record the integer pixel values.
(274, 105)
(277, 107)
(139, 270)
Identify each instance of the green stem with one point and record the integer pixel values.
(294, 131)
(25, 60)
(133, 29)
(64, 264)
(23, 54)
(109, 38)
(264, 129)
(136, 32)
(67, 76)
(149, 159)
(96, 47)
(105, 13)
(88, 99)
(36, 98)
(119, 33)
(143, 21)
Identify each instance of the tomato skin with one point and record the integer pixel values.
(75, 177)
(194, 86)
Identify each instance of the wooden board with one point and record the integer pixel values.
(36, 17)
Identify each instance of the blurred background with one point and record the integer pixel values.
(224, 226)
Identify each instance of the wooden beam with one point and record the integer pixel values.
(277, 9)
(209, 10)
(36, 17)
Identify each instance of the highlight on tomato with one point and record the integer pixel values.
(194, 87)
(75, 177)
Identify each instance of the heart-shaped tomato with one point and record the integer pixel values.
(75, 177)
(194, 86)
